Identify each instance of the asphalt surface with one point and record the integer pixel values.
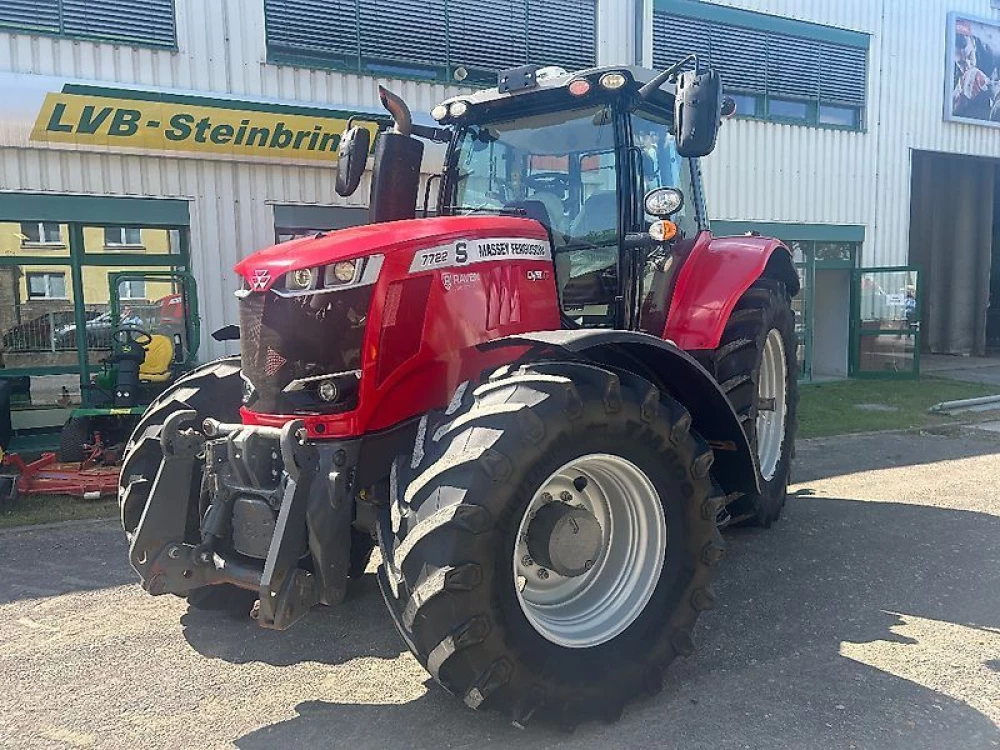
(869, 616)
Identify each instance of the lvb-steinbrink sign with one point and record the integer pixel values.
(972, 87)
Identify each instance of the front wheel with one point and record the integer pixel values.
(549, 550)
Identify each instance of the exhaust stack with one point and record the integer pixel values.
(396, 175)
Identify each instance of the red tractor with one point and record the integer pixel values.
(542, 403)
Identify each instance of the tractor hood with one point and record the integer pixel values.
(262, 269)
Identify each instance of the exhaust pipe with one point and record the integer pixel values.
(398, 109)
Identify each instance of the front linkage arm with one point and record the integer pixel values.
(310, 514)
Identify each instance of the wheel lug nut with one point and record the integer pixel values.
(526, 560)
(565, 496)
(543, 573)
(546, 497)
(588, 565)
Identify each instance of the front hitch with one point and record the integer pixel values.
(311, 515)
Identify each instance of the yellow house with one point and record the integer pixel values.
(42, 281)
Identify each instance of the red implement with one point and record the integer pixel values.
(48, 477)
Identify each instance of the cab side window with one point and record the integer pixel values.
(661, 166)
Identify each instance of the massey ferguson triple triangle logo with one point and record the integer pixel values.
(259, 279)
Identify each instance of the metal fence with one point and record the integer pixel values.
(55, 330)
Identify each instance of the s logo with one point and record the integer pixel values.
(461, 252)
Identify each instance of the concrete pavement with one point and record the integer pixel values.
(869, 616)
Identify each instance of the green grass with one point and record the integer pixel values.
(36, 509)
(832, 408)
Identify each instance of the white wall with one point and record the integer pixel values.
(221, 50)
(772, 172)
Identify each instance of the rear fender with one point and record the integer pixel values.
(714, 277)
(672, 370)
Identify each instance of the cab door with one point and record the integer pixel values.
(885, 323)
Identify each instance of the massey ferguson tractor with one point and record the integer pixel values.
(542, 402)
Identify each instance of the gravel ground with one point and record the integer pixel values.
(868, 617)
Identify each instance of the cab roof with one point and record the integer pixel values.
(554, 82)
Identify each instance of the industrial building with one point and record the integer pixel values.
(180, 135)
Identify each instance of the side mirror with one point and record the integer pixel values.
(697, 108)
(227, 333)
(351, 159)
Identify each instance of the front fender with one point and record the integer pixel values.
(714, 277)
(673, 370)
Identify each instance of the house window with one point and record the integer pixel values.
(776, 68)
(41, 233)
(140, 22)
(132, 289)
(46, 285)
(437, 39)
(122, 236)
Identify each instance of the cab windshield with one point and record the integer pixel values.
(561, 169)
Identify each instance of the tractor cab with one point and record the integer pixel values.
(605, 159)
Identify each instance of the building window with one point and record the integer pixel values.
(787, 109)
(46, 285)
(132, 289)
(434, 39)
(776, 68)
(141, 22)
(41, 233)
(122, 237)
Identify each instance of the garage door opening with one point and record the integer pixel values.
(955, 241)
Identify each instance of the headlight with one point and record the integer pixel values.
(327, 391)
(459, 108)
(300, 280)
(439, 112)
(340, 273)
(334, 277)
(663, 202)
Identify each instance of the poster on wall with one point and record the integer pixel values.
(972, 89)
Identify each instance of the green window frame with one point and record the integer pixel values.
(816, 247)
(466, 41)
(779, 69)
(143, 23)
(78, 211)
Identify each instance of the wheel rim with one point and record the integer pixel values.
(771, 404)
(592, 608)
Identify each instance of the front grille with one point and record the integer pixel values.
(288, 338)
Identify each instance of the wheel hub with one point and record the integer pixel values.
(564, 539)
(589, 550)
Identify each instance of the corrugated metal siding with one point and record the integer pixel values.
(773, 172)
(616, 32)
(221, 49)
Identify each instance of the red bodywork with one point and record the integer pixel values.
(710, 283)
(415, 354)
(460, 306)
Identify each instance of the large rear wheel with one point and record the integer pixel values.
(549, 547)
(757, 367)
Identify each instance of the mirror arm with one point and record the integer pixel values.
(438, 135)
(647, 89)
(639, 240)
